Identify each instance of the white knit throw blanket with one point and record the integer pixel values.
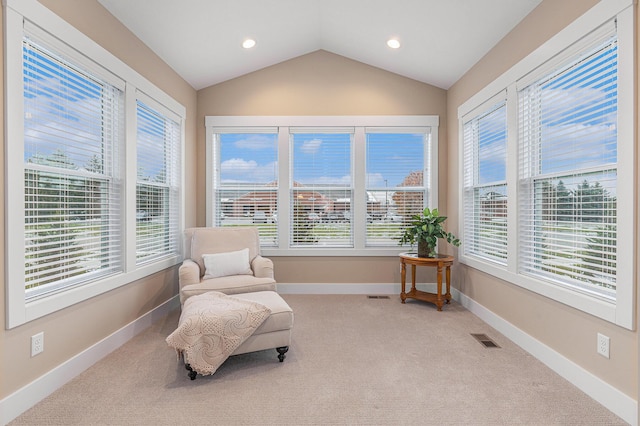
(212, 326)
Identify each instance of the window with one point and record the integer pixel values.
(321, 185)
(72, 127)
(74, 206)
(485, 186)
(397, 181)
(157, 191)
(247, 181)
(568, 170)
(321, 188)
(556, 147)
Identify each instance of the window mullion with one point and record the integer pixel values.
(513, 213)
(359, 197)
(284, 182)
(130, 177)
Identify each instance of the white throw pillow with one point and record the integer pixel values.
(224, 264)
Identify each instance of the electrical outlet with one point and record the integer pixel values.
(37, 343)
(603, 345)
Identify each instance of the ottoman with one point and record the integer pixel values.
(273, 332)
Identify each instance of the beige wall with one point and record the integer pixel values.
(322, 83)
(564, 329)
(70, 331)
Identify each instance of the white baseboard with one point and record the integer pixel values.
(614, 400)
(29, 395)
(340, 288)
(350, 288)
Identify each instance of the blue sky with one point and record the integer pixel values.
(75, 125)
(584, 137)
(578, 119)
(248, 158)
(76, 118)
(321, 159)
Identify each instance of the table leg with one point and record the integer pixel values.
(439, 295)
(403, 276)
(413, 279)
(448, 295)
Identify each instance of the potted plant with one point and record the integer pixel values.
(425, 229)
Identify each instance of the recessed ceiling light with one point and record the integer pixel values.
(393, 43)
(248, 43)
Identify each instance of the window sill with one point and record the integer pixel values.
(598, 307)
(45, 305)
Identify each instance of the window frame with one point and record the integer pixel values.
(471, 166)
(213, 124)
(424, 188)
(620, 311)
(171, 184)
(17, 14)
(298, 187)
(216, 177)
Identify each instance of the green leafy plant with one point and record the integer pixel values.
(425, 229)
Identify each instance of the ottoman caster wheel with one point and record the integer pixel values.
(192, 374)
(281, 352)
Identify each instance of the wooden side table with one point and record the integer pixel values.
(440, 261)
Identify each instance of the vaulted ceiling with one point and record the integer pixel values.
(202, 39)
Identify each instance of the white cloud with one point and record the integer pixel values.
(311, 147)
(328, 180)
(237, 170)
(576, 145)
(238, 166)
(375, 179)
(256, 142)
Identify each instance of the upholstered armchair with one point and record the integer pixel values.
(227, 260)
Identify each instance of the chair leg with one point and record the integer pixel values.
(281, 352)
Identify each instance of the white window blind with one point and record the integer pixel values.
(321, 187)
(397, 181)
(158, 182)
(72, 125)
(485, 186)
(568, 170)
(246, 181)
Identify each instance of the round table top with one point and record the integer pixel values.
(439, 257)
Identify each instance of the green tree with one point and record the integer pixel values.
(302, 226)
(549, 197)
(51, 253)
(599, 257)
(594, 203)
(564, 203)
(94, 189)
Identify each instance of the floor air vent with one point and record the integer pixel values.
(485, 341)
(378, 297)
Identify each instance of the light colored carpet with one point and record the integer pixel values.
(353, 361)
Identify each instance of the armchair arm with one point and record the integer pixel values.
(188, 273)
(262, 267)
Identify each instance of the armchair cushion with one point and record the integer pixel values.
(229, 263)
(232, 284)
